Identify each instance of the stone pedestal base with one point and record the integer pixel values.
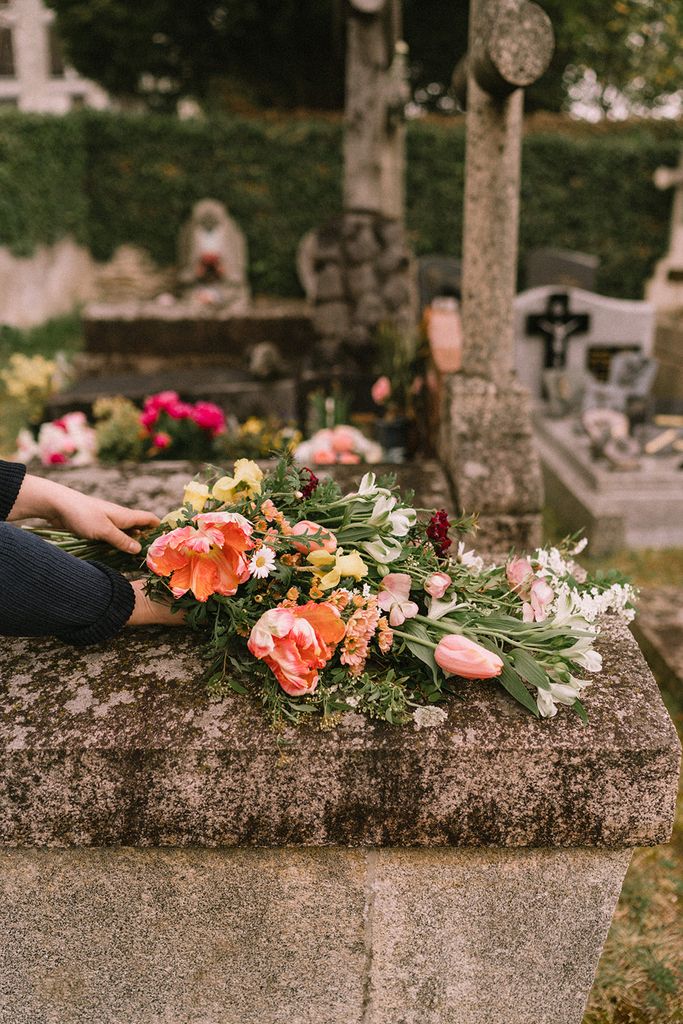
(486, 446)
(303, 936)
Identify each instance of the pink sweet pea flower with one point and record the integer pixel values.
(458, 656)
(296, 642)
(394, 597)
(209, 559)
(519, 572)
(437, 584)
(541, 595)
(381, 390)
(306, 530)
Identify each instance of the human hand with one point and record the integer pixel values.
(86, 516)
(152, 613)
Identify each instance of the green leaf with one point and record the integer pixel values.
(581, 711)
(237, 687)
(530, 670)
(424, 654)
(511, 682)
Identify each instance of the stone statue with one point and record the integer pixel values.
(212, 257)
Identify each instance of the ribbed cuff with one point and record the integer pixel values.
(115, 617)
(11, 478)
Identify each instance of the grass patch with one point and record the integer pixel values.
(63, 334)
(640, 975)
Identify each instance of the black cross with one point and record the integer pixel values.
(557, 325)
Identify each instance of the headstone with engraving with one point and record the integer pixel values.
(577, 333)
(561, 267)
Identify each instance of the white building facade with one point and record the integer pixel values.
(33, 75)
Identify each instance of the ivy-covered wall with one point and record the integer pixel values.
(110, 178)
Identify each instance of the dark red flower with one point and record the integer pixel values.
(437, 531)
(308, 488)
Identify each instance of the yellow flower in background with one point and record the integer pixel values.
(331, 568)
(25, 374)
(196, 494)
(245, 483)
(174, 518)
(253, 425)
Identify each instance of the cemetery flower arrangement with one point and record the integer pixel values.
(342, 443)
(26, 385)
(68, 440)
(314, 601)
(179, 429)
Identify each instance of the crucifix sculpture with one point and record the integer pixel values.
(557, 325)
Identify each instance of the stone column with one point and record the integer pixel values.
(167, 859)
(486, 439)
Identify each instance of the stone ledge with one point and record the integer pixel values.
(118, 745)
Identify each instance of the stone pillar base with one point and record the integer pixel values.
(487, 447)
(303, 936)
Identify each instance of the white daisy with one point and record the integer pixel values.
(262, 562)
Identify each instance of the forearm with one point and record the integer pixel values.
(46, 592)
(37, 498)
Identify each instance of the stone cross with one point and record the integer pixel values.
(376, 92)
(672, 177)
(510, 46)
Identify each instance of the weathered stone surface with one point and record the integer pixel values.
(289, 936)
(118, 745)
(519, 933)
(182, 937)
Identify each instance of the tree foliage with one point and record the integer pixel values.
(290, 53)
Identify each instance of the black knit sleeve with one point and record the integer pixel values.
(11, 478)
(45, 591)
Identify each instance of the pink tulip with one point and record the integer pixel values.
(306, 530)
(458, 656)
(381, 390)
(437, 584)
(393, 597)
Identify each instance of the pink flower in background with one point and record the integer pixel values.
(344, 439)
(437, 584)
(381, 390)
(209, 417)
(394, 597)
(349, 459)
(324, 457)
(540, 597)
(161, 440)
(148, 417)
(458, 656)
(67, 440)
(519, 573)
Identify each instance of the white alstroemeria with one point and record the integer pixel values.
(590, 660)
(469, 558)
(384, 550)
(559, 693)
(436, 609)
(381, 511)
(402, 520)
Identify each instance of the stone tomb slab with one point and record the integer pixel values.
(595, 327)
(637, 508)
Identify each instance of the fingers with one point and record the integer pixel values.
(127, 517)
(118, 539)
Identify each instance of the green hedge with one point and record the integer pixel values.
(42, 173)
(111, 178)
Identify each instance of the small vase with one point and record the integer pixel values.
(392, 434)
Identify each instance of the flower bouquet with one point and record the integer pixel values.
(67, 441)
(314, 601)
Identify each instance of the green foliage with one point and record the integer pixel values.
(42, 167)
(62, 334)
(111, 179)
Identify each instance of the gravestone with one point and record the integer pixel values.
(577, 332)
(485, 438)
(665, 289)
(561, 267)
